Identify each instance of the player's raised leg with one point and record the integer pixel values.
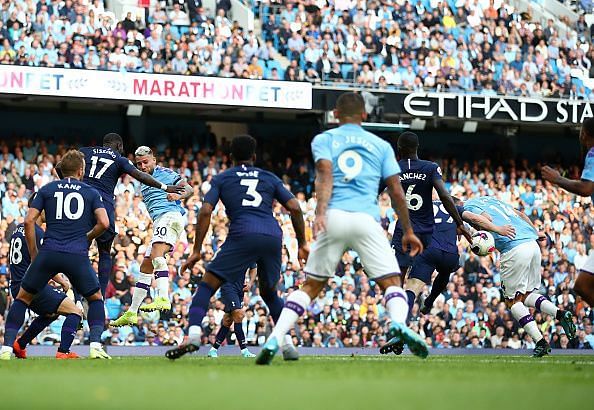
(584, 284)
(161, 273)
(73, 318)
(14, 321)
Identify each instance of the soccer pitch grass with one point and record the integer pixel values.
(314, 382)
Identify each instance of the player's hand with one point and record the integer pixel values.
(507, 230)
(189, 263)
(247, 287)
(410, 240)
(303, 254)
(461, 230)
(550, 174)
(176, 189)
(173, 197)
(319, 225)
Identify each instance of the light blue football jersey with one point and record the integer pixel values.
(502, 214)
(360, 161)
(588, 172)
(156, 199)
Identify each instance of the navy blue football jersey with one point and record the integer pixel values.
(69, 206)
(444, 232)
(417, 178)
(248, 194)
(19, 257)
(103, 168)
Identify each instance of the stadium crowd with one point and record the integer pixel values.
(482, 46)
(470, 314)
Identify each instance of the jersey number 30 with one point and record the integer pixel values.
(256, 198)
(64, 205)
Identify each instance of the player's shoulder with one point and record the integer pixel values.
(590, 154)
(19, 231)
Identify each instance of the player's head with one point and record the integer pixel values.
(350, 108)
(73, 164)
(408, 143)
(114, 141)
(243, 148)
(145, 160)
(587, 133)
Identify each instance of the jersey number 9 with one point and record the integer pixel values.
(351, 164)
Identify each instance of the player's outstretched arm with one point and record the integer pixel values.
(485, 224)
(323, 183)
(30, 235)
(399, 204)
(187, 192)
(147, 179)
(293, 207)
(582, 187)
(201, 229)
(449, 205)
(102, 223)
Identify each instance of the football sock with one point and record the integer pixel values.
(162, 279)
(105, 264)
(238, 329)
(439, 285)
(411, 299)
(521, 313)
(295, 306)
(140, 291)
(14, 321)
(274, 303)
(35, 328)
(96, 319)
(220, 337)
(68, 332)
(396, 304)
(198, 310)
(541, 304)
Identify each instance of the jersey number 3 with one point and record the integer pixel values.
(256, 198)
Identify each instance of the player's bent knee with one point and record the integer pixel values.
(94, 296)
(227, 320)
(25, 296)
(237, 315)
(415, 285)
(68, 307)
(160, 264)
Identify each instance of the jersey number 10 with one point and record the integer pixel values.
(63, 205)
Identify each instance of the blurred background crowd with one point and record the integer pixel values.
(479, 46)
(350, 312)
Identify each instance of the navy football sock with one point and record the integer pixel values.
(14, 321)
(275, 304)
(68, 332)
(96, 319)
(200, 303)
(221, 335)
(33, 330)
(238, 329)
(411, 299)
(439, 285)
(105, 264)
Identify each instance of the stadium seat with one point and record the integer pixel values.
(345, 69)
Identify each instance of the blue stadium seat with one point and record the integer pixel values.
(553, 65)
(378, 60)
(175, 32)
(184, 30)
(345, 69)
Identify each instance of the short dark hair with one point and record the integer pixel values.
(71, 162)
(588, 127)
(350, 104)
(243, 147)
(408, 141)
(112, 138)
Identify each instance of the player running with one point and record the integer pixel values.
(254, 236)
(418, 179)
(49, 303)
(350, 164)
(521, 269)
(167, 214)
(103, 168)
(584, 284)
(232, 298)
(74, 216)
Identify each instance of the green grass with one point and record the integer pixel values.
(328, 382)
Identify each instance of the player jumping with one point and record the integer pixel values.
(521, 270)
(74, 216)
(232, 298)
(418, 179)
(104, 167)
(254, 236)
(167, 214)
(49, 302)
(350, 164)
(584, 284)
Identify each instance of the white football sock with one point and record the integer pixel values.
(6, 349)
(163, 287)
(140, 293)
(396, 304)
(287, 342)
(541, 303)
(295, 306)
(521, 313)
(96, 345)
(194, 335)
